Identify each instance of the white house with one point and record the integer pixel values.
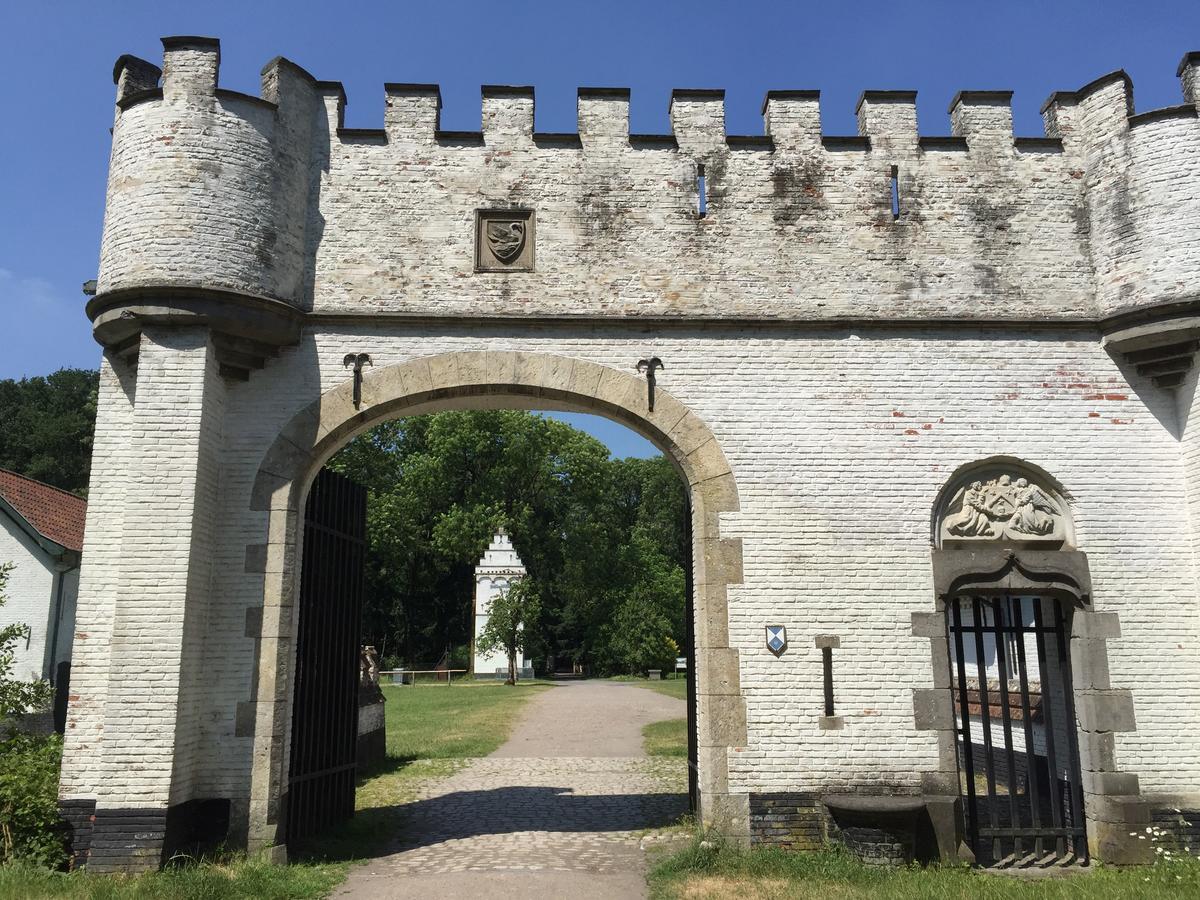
(498, 568)
(41, 535)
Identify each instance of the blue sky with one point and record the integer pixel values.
(59, 56)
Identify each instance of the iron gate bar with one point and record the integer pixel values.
(1006, 717)
(985, 714)
(998, 843)
(965, 714)
(1065, 831)
(1035, 805)
(325, 706)
(1048, 717)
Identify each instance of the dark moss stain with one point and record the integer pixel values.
(264, 248)
(993, 208)
(603, 208)
(797, 191)
(987, 277)
(716, 182)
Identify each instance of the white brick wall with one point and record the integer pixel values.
(839, 448)
(29, 596)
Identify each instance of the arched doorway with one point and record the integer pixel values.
(1009, 582)
(499, 380)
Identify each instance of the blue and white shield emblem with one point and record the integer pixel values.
(776, 638)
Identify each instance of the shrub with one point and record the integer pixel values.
(30, 827)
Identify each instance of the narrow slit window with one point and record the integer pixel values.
(827, 666)
(895, 180)
(701, 192)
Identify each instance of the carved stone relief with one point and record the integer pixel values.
(504, 240)
(1008, 505)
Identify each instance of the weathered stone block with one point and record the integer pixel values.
(1110, 710)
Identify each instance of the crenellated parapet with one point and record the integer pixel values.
(269, 205)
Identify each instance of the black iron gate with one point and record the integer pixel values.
(325, 706)
(1015, 718)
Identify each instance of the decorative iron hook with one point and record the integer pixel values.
(648, 366)
(358, 360)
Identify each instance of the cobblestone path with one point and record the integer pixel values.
(538, 827)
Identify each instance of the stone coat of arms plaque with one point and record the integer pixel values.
(504, 240)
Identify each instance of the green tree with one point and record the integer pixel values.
(513, 614)
(590, 530)
(48, 426)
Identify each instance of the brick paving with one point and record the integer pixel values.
(540, 826)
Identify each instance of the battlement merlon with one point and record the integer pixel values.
(1189, 76)
(793, 118)
(1093, 113)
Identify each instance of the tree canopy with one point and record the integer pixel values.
(48, 424)
(603, 540)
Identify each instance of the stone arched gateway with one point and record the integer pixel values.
(848, 320)
(501, 379)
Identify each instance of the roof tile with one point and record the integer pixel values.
(55, 514)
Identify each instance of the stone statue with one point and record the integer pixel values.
(1035, 511)
(972, 520)
(368, 666)
(1001, 508)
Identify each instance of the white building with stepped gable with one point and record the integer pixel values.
(498, 568)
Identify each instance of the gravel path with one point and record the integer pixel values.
(557, 811)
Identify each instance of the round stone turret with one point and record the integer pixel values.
(207, 200)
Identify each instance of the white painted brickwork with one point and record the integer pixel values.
(29, 596)
(839, 449)
(846, 363)
(113, 460)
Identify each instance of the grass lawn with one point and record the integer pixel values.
(672, 687)
(236, 877)
(723, 874)
(666, 738)
(466, 720)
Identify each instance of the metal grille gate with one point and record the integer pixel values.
(325, 706)
(1016, 739)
